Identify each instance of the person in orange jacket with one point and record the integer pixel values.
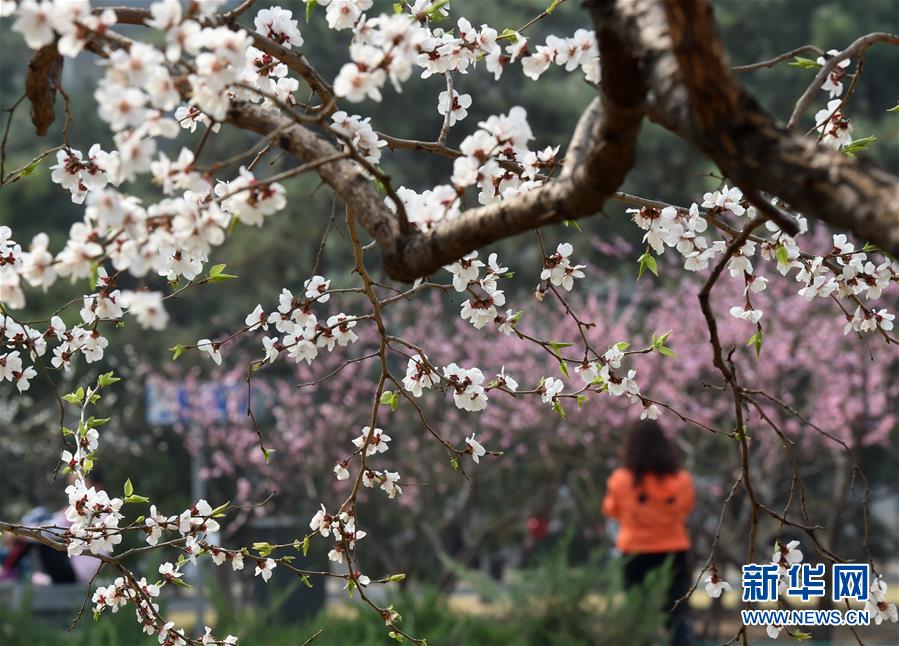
(650, 496)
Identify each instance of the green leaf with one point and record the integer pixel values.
(782, 255)
(181, 583)
(95, 275)
(88, 465)
(647, 261)
(177, 351)
(510, 34)
(756, 341)
(220, 509)
(263, 548)
(76, 397)
(895, 108)
(552, 7)
(107, 379)
(558, 345)
(563, 368)
(659, 341)
(454, 462)
(858, 145)
(134, 498)
(306, 581)
(397, 7)
(390, 398)
(581, 400)
(622, 346)
(129, 488)
(267, 454)
(305, 546)
(310, 5)
(217, 275)
(667, 352)
(396, 578)
(799, 636)
(435, 8)
(557, 406)
(30, 169)
(572, 223)
(803, 63)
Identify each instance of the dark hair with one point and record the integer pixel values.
(648, 450)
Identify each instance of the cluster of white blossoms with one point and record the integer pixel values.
(303, 333)
(843, 272)
(391, 46)
(341, 527)
(495, 159)
(480, 309)
(24, 343)
(833, 127)
(580, 50)
(360, 135)
(558, 270)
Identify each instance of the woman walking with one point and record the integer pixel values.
(650, 496)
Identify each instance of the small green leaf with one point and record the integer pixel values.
(647, 261)
(563, 368)
(305, 546)
(129, 488)
(581, 400)
(216, 274)
(858, 145)
(552, 7)
(107, 379)
(803, 63)
(622, 346)
(30, 169)
(76, 397)
(558, 345)
(95, 275)
(396, 578)
(177, 351)
(310, 5)
(756, 341)
(667, 352)
(435, 8)
(511, 34)
(306, 581)
(782, 255)
(895, 108)
(799, 636)
(263, 548)
(572, 223)
(557, 406)
(454, 462)
(267, 454)
(134, 498)
(397, 7)
(220, 509)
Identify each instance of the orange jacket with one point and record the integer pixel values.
(651, 515)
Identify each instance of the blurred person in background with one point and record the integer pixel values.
(55, 566)
(650, 496)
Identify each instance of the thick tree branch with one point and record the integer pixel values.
(722, 120)
(342, 175)
(581, 192)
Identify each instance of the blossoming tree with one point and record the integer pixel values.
(243, 68)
